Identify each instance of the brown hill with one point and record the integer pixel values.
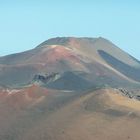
(35, 113)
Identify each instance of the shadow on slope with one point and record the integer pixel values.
(131, 72)
(70, 81)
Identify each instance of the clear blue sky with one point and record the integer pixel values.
(26, 23)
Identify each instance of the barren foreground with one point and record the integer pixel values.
(40, 114)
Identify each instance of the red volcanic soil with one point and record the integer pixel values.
(53, 53)
(74, 42)
(60, 52)
(3, 93)
(23, 97)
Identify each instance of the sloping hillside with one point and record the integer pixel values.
(40, 114)
(100, 62)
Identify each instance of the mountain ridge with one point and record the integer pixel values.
(69, 54)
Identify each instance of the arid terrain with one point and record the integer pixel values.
(70, 88)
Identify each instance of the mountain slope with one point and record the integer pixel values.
(40, 114)
(97, 58)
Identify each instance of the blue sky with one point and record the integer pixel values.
(26, 23)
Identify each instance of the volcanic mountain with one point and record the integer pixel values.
(91, 61)
(70, 88)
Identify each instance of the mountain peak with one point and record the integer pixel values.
(66, 40)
